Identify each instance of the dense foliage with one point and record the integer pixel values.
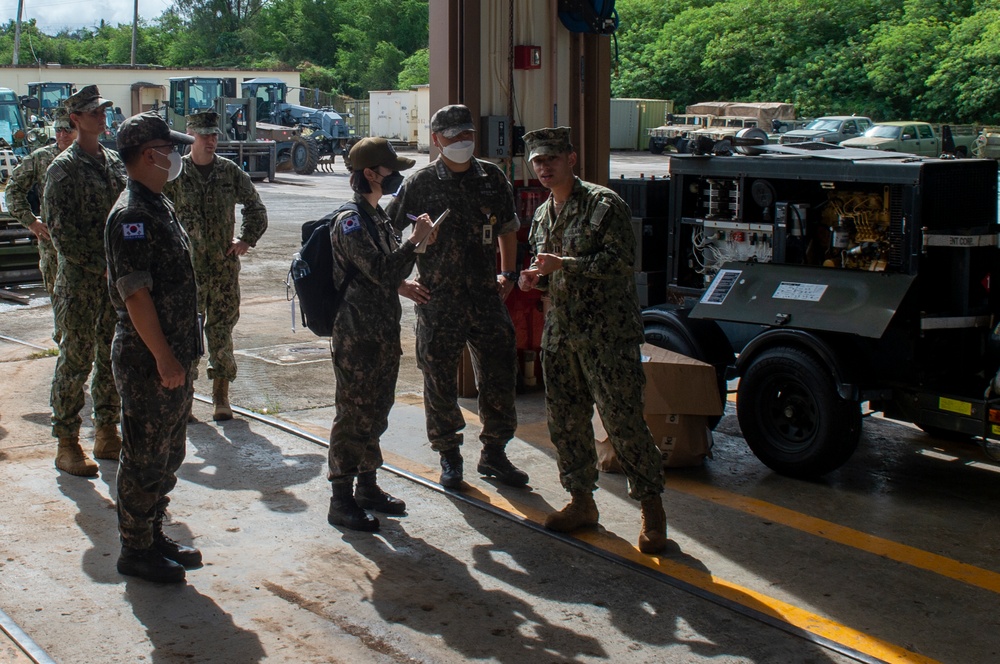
(936, 60)
(345, 46)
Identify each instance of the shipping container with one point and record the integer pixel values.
(393, 114)
(423, 117)
(624, 124)
(358, 110)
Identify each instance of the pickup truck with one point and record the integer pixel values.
(919, 138)
(828, 129)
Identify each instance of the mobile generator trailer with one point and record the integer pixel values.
(827, 278)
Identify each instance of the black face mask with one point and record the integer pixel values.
(390, 183)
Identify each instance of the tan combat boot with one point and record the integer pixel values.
(580, 513)
(107, 442)
(653, 538)
(70, 458)
(220, 399)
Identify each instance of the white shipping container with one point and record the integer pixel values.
(423, 118)
(624, 124)
(393, 114)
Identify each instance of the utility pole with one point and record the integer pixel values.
(17, 31)
(135, 28)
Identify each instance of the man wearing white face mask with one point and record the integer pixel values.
(466, 295)
(156, 347)
(205, 198)
(81, 185)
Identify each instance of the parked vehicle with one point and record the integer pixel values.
(828, 129)
(919, 138)
(825, 280)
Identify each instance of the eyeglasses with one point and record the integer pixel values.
(160, 147)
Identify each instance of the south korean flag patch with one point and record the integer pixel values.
(133, 231)
(351, 224)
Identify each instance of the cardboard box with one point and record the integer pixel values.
(681, 393)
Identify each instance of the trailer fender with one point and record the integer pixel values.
(823, 349)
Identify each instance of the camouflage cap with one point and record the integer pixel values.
(144, 127)
(86, 100)
(551, 140)
(205, 122)
(450, 121)
(374, 152)
(60, 118)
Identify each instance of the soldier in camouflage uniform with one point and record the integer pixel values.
(29, 178)
(81, 185)
(466, 295)
(205, 196)
(155, 352)
(365, 341)
(585, 249)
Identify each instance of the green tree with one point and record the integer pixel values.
(416, 70)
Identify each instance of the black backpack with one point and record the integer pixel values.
(311, 272)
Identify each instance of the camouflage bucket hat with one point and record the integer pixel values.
(551, 140)
(450, 121)
(86, 100)
(205, 122)
(60, 118)
(375, 152)
(145, 127)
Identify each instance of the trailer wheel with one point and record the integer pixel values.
(791, 416)
(655, 147)
(305, 155)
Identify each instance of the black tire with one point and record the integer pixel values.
(791, 416)
(305, 155)
(713, 349)
(655, 147)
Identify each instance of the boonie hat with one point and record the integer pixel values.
(372, 152)
(145, 127)
(60, 118)
(551, 140)
(86, 100)
(206, 122)
(450, 121)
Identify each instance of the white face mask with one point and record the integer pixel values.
(175, 165)
(459, 152)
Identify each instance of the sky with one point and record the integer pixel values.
(54, 15)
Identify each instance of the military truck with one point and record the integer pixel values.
(325, 129)
(261, 148)
(831, 281)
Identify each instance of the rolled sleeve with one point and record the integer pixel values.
(134, 282)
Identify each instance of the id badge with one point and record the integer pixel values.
(487, 234)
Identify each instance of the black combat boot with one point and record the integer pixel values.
(186, 556)
(451, 468)
(493, 462)
(344, 509)
(370, 496)
(149, 564)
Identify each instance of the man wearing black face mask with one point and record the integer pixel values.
(205, 198)
(365, 341)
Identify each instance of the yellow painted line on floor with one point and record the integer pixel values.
(931, 562)
(606, 541)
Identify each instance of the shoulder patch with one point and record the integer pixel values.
(599, 212)
(350, 224)
(133, 231)
(55, 172)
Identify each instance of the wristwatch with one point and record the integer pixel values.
(512, 276)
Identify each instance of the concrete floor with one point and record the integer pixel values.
(895, 555)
